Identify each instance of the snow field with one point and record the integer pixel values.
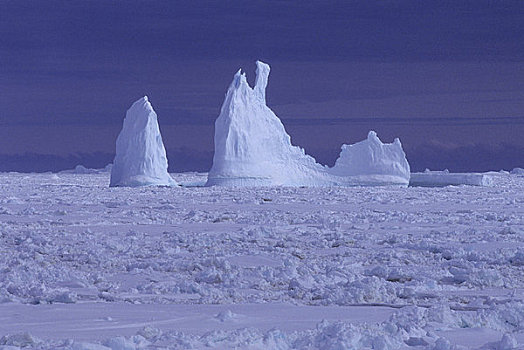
(175, 268)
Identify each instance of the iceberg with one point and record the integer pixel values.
(372, 162)
(252, 148)
(445, 178)
(140, 154)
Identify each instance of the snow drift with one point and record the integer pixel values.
(252, 148)
(140, 154)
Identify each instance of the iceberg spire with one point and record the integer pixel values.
(262, 73)
(252, 146)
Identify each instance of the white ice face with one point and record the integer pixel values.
(140, 154)
(252, 148)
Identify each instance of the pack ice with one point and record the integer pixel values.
(252, 148)
(140, 154)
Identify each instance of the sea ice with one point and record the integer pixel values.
(85, 267)
(140, 154)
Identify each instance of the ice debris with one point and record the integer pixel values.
(517, 171)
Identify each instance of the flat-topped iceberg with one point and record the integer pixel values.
(252, 148)
(372, 162)
(445, 178)
(140, 154)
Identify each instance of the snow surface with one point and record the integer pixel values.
(85, 266)
(140, 154)
(252, 148)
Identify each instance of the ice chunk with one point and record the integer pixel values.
(507, 342)
(88, 346)
(383, 163)
(80, 169)
(226, 315)
(20, 339)
(140, 154)
(517, 171)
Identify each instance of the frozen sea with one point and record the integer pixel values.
(88, 267)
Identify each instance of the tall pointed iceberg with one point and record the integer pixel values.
(252, 146)
(140, 154)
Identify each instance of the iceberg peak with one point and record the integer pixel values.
(237, 78)
(372, 135)
(262, 74)
(142, 105)
(140, 154)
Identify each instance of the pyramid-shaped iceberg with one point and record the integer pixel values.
(140, 154)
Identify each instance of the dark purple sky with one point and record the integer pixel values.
(447, 77)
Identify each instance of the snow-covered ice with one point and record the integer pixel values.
(86, 266)
(140, 154)
(252, 148)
